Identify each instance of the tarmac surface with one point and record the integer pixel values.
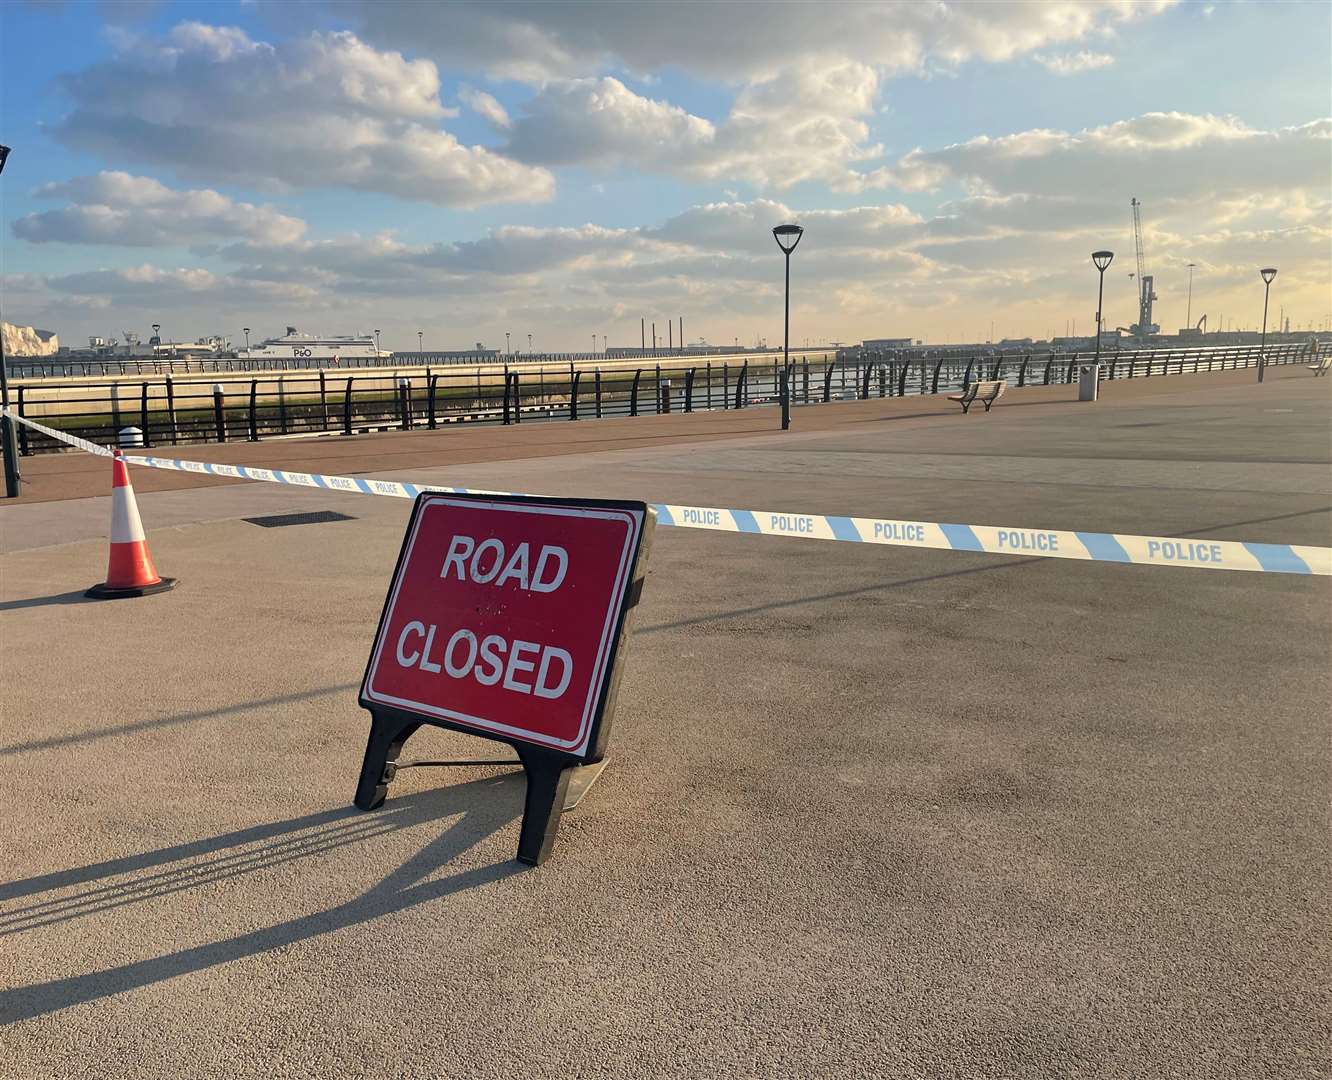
(870, 811)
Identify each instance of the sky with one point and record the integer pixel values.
(565, 169)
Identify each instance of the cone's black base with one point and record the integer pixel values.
(106, 592)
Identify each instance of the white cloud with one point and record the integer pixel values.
(324, 110)
(486, 106)
(1073, 63)
(804, 124)
(118, 208)
(1155, 156)
(535, 41)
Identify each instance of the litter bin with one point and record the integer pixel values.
(131, 438)
(1089, 381)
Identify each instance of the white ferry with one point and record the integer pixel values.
(296, 346)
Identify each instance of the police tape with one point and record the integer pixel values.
(989, 539)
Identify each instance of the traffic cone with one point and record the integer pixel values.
(129, 570)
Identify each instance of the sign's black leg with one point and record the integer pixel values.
(381, 755)
(547, 788)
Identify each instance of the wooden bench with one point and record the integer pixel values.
(987, 392)
(1322, 367)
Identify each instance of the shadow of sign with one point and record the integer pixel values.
(476, 810)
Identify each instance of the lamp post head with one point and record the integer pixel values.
(1102, 259)
(245, 329)
(156, 327)
(787, 237)
(1268, 273)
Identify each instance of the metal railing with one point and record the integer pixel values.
(88, 367)
(167, 412)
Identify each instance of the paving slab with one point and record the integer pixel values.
(870, 811)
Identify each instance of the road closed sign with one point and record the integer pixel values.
(505, 617)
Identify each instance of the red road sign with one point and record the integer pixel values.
(504, 616)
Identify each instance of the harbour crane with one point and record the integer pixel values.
(1146, 293)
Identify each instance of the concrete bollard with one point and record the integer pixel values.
(131, 438)
(1089, 381)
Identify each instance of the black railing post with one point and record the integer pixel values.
(934, 382)
(506, 398)
(573, 394)
(598, 391)
(864, 389)
(405, 404)
(323, 401)
(171, 408)
(517, 400)
(740, 381)
(726, 386)
(633, 393)
(1072, 363)
(689, 390)
(282, 404)
(827, 382)
(902, 378)
(347, 408)
(1022, 371)
(430, 399)
(218, 415)
(24, 449)
(966, 378)
(143, 414)
(254, 416)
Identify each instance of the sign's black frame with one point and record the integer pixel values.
(549, 771)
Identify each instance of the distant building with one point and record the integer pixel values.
(887, 343)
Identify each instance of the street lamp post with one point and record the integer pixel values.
(246, 331)
(1188, 318)
(1267, 273)
(787, 237)
(507, 351)
(8, 440)
(420, 341)
(529, 345)
(1100, 259)
(376, 344)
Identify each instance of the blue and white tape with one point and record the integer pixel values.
(991, 539)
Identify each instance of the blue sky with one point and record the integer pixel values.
(343, 165)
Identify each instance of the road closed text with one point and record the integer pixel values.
(524, 667)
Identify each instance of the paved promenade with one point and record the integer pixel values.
(870, 811)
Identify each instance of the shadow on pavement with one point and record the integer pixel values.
(477, 809)
(169, 721)
(75, 597)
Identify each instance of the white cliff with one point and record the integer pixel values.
(28, 340)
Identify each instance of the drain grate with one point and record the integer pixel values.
(313, 517)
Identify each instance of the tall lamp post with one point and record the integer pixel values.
(7, 440)
(529, 345)
(507, 350)
(246, 331)
(420, 341)
(1268, 273)
(787, 237)
(376, 344)
(1100, 259)
(1188, 318)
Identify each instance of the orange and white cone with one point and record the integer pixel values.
(129, 570)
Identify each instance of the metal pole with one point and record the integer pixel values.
(10, 444)
(1262, 348)
(786, 353)
(1100, 297)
